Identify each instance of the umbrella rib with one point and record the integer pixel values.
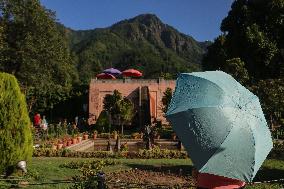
(254, 158)
(249, 100)
(250, 112)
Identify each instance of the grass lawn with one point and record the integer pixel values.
(49, 170)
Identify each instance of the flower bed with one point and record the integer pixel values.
(95, 164)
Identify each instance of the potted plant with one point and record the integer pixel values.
(65, 140)
(53, 146)
(79, 138)
(135, 135)
(69, 142)
(74, 138)
(64, 143)
(59, 145)
(85, 136)
(54, 143)
(95, 134)
(115, 135)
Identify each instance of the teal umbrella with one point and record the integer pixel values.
(221, 124)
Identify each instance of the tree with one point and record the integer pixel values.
(119, 109)
(253, 32)
(2, 45)
(126, 112)
(111, 102)
(251, 48)
(36, 53)
(236, 68)
(216, 55)
(15, 132)
(166, 99)
(102, 122)
(271, 95)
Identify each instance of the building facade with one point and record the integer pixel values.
(146, 95)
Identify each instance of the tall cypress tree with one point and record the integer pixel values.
(15, 131)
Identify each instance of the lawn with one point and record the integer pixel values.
(48, 170)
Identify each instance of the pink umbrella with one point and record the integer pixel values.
(131, 73)
(105, 76)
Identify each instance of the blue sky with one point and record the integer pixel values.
(198, 18)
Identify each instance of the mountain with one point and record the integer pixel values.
(143, 42)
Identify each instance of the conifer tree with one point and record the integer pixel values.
(15, 131)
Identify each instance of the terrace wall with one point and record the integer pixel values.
(130, 88)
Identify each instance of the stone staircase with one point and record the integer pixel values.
(85, 144)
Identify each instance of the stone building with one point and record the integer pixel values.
(146, 95)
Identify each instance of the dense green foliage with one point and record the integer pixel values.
(35, 52)
(15, 133)
(120, 110)
(252, 50)
(166, 99)
(143, 43)
(103, 122)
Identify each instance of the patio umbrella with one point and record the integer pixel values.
(105, 76)
(221, 125)
(112, 71)
(131, 73)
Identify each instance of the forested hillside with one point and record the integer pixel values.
(143, 42)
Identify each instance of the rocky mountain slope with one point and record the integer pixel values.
(143, 42)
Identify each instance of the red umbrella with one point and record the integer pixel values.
(131, 73)
(105, 76)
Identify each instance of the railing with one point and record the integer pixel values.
(154, 81)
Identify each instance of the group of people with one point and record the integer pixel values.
(40, 122)
(41, 126)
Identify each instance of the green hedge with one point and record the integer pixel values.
(142, 154)
(15, 131)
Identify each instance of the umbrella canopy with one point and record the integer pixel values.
(221, 124)
(112, 71)
(131, 73)
(105, 76)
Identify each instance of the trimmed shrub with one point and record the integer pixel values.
(15, 131)
(142, 154)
